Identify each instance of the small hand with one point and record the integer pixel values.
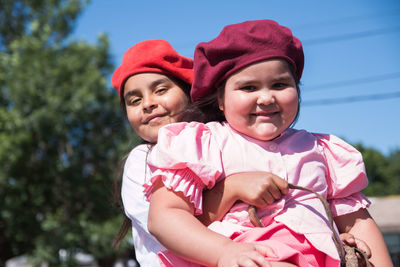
(352, 241)
(245, 255)
(258, 188)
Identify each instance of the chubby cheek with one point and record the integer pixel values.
(289, 103)
(237, 104)
(136, 127)
(133, 118)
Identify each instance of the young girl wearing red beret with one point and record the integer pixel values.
(153, 83)
(246, 92)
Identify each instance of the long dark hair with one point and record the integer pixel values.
(205, 109)
(117, 182)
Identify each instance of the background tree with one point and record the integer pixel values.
(393, 172)
(62, 135)
(383, 172)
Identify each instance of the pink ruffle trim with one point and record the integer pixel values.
(349, 204)
(182, 180)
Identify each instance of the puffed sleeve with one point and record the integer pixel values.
(346, 175)
(187, 158)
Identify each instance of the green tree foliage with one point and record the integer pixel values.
(383, 172)
(393, 172)
(62, 135)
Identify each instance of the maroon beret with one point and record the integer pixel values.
(239, 45)
(155, 56)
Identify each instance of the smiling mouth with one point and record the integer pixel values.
(153, 118)
(265, 114)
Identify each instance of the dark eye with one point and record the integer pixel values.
(133, 101)
(248, 88)
(161, 90)
(279, 85)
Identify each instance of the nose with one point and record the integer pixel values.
(265, 97)
(148, 103)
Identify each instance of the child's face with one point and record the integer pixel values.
(261, 100)
(152, 100)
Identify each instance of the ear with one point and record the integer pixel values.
(221, 103)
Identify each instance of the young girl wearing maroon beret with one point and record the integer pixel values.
(246, 95)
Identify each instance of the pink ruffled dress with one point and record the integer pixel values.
(190, 157)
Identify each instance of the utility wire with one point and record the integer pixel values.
(350, 99)
(350, 36)
(376, 78)
(343, 20)
(317, 41)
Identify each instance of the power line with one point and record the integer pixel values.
(299, 27)
(376, 78)
(347, 19)
(350, 99)
(350, 36)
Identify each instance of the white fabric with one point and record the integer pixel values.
(136, 207)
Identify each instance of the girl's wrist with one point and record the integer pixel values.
(231, 185)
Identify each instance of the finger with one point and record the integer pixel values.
(267, 197)
(275, 191)
(363, 246)
(260, 202)
(253, 259)
(348, 239)
(247, 262)
(281, 184)
(271, 191)
(265, 251)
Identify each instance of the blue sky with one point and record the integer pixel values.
(350, 85)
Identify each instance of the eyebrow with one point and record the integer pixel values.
(130, 93)
(244, 82)
(283, 77)
(152, 85)
(159, 81)
(280, 77)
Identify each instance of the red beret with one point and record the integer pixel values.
(239, 45)
(155, 56)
